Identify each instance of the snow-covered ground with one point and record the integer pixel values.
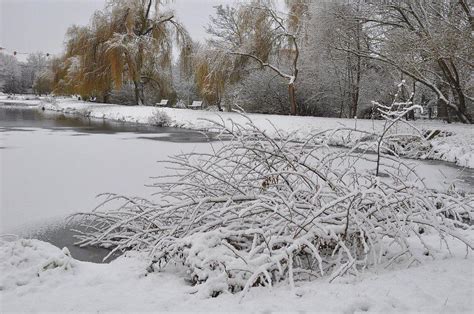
(38, 277)
(457, 148)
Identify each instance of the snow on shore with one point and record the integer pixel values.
(456, 148)
(36, 277)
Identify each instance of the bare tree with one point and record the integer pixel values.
(430, 41)
(258, 32)
(43, 83)
(36, 63)
(332, 79)
(10, 74)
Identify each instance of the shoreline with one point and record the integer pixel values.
(32, 270)
(457, 148)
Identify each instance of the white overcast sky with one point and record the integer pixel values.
(39, 25)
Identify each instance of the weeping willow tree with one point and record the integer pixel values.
(143, 38)
(258, 32)
(84, 68)
(210, 82)
(97, 73)
(297, 14)
(69, 69)
(213, 72)
(130, 41)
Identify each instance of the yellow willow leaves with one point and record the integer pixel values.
(210, 80)
(297, 10)
(129, 41)
(201, 76)
(116, 64)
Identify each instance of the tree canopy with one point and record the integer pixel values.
(319, 57)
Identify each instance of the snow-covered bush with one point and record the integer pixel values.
(160, 118)
(51, 100)
(256, 211)
(393, 115)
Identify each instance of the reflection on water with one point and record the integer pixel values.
(17, 118)
(177, 138)
(62, 235)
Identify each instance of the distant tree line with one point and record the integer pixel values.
(306, 57)
(335, 57)
(34, 75)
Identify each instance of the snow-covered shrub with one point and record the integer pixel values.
(256, 211)
(160, 118)
(389, 138)
(49, 102)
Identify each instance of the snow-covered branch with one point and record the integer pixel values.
(256, 211)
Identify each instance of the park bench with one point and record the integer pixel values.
(162, 103)
(196, 105)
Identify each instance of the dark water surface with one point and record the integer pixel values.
(63, 235)
(21, 118)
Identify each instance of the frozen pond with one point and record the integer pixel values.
(53, 166)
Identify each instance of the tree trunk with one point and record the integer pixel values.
(349, 84)
(443, 110)
(412, 113)
(292, 96)
(341, 109)
(460, 98)
(451, 74)
(356, 91)
(406, 97)
(139, 95)
(442, 105)
(138, 81)
(219, 100)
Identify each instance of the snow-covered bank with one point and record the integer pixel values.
(38, 277)
(455, 143)
(35, 276)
